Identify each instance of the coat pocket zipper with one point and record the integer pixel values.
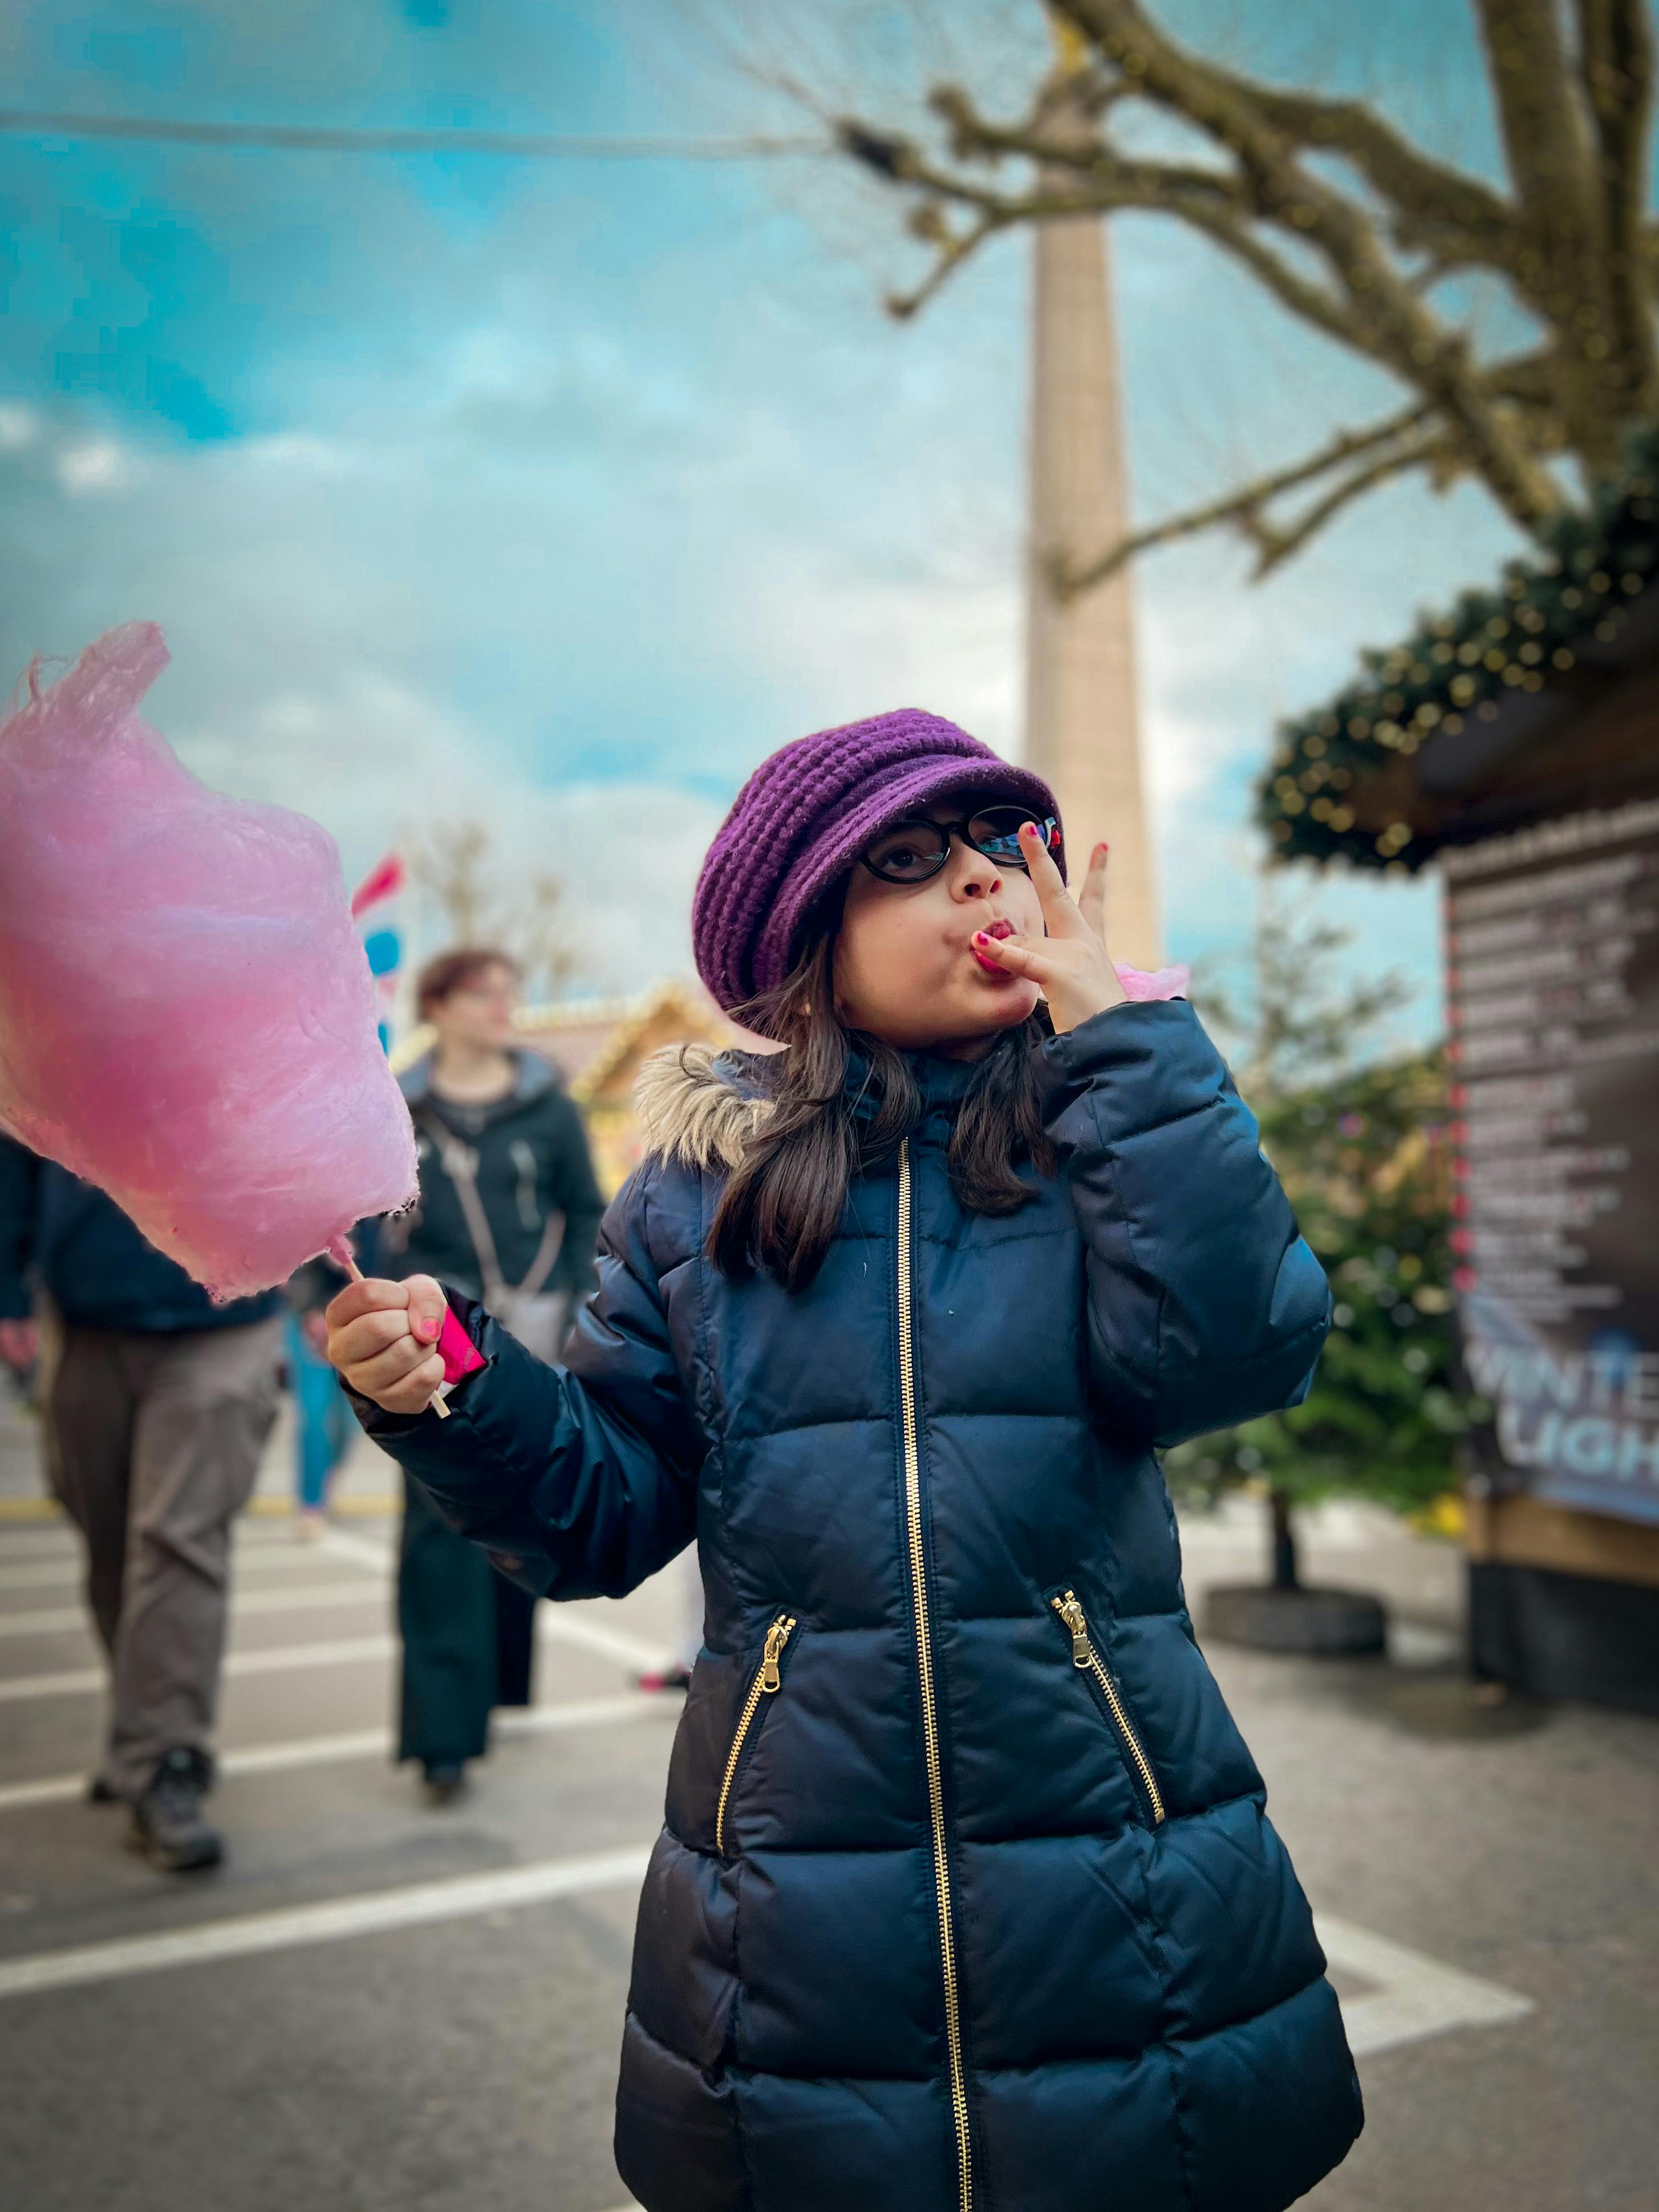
(1088, 1661)
(769, 1679)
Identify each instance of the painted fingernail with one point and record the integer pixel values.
(427, 1329)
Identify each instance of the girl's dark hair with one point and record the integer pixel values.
(454, 970)
(783, 1204)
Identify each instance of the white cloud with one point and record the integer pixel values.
(325, 459)
(100, 464)
(360, 749)
(849, 644)
(380, 766)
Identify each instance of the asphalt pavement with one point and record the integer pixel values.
(375, 2004)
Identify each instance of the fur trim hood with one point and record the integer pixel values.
(696, 1106)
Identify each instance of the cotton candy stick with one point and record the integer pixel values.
(186, 1014)
(459, 1354)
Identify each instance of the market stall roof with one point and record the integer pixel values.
(1530, 699)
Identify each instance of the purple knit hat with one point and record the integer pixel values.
(805, 815)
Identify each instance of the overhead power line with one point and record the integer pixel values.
(301, 138)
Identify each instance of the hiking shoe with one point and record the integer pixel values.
(168, 1825)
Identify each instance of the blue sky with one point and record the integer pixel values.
(558, 494)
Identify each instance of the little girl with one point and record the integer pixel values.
(966, 1900)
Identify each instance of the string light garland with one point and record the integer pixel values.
(1458, 668)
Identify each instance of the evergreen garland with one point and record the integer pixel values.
(1456, 668)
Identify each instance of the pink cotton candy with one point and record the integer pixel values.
(1161, 983)
(187, 1016)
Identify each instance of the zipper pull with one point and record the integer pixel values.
(776, 1636)
(1072, 1614)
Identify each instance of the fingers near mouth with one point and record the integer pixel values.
(983, 946)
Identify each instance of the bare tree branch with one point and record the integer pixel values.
(1241, 509)
(1358, 256)
(1548, 151)
(1404, 334)
(1394, 447)
(456, 861)
(1426, 450)
(1108, 184)
(1545, 143)
(1430, 204)
(1615, 44)
(951, 248)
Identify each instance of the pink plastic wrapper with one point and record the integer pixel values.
(1161, 983)
(187, 1016)
(459, 1354)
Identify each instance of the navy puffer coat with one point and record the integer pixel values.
(966, 1900)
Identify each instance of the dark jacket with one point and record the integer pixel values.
(979, 1908)
(532, 1158)
(100, 1268)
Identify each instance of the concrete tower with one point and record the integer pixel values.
(1081, 724)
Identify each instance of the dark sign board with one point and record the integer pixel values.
(1552, 974)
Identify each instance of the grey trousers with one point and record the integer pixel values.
(152, 1444)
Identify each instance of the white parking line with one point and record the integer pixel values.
(87, 1681)
(66, 1571)
(363, 1743)
(60, 1620)
(357, 1551)
(56, 1541)
(417, 1905)
(45, 1574)
(1419, 1997)
(554, 1625)
(558, 1624)
(1415, 1996)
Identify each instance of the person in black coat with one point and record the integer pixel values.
(155, 1416)
(508, 1214)
(966, 1897)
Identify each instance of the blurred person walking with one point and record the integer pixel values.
(323, 1427)
(156, 1411)
(508, 1213)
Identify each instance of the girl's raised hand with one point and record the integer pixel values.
(1070, 964)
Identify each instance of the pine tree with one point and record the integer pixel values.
(1363, 1151)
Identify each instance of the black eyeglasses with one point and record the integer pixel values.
(917, 848)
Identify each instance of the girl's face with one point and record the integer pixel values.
(478, 1014)
(905, 966)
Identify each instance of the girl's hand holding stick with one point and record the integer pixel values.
(383, 1337)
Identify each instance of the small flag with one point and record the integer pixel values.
(375, 907)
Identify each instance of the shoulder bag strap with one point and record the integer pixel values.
(547, 1255)
(460, 1165)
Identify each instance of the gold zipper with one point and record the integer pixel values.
(1085, 1657)
(924, 1667)
(766, 1680)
